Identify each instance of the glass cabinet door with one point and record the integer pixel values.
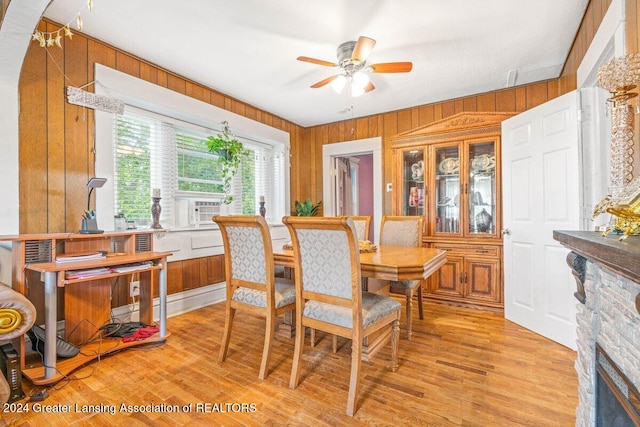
(413, 170)
(482, 188)
(447, 189)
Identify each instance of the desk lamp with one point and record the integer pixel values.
(89, 222)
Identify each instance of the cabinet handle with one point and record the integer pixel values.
(465, 277)
(482, 251)
(461, 277)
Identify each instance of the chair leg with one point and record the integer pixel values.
(230, 312)
(395, 338)
(409, 296)
(297, 357)
(335, 344)
(312, 337)
(268, 340)
(420, 301)
(354, 381)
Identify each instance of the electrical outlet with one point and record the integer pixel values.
(134, 288)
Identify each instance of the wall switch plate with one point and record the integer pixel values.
(389, 187)
(134, 288)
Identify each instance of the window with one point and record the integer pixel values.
(155, 151)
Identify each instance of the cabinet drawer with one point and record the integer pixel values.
(481, 250)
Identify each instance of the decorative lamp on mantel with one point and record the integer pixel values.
(619, 76)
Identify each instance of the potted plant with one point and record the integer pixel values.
(229, 150)
(307, 208)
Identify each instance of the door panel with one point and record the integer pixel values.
(541, 194)
(521, 289)
(482, 279)
(446, 281)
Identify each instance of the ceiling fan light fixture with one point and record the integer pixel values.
(354, 71)
(338, 83)
(360, 79)
(356, 90)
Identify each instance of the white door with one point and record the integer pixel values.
(540, 194)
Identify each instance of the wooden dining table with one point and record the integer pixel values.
(386, 263)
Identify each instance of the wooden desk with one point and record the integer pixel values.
(86, 300)
(387, 263)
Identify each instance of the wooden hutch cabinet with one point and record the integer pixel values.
(449, 171)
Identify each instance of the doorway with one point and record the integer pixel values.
(369, 184)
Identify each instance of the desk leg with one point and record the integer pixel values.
(162, 291)
(50, 314)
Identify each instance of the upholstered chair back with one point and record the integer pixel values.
(362, 224)
(247, 252)
(327, 257)
(401, 231)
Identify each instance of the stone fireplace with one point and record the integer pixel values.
(607, 275)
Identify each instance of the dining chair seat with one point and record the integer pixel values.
(285, 294)
(374, 308)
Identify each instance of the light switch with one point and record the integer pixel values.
(389, 187)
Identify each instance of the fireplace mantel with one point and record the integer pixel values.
(607, 273)
(621, 257)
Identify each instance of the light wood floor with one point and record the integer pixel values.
(462, 368)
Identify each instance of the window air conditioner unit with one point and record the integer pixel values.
(203, 210)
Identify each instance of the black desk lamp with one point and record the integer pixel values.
(89, 222)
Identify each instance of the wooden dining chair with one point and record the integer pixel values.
(251, 282)
(328, 293)
(404, 231)
(362, 224)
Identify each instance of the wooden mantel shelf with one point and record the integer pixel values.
(622, 257)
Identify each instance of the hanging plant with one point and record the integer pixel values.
(229, 151)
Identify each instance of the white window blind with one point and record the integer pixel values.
(155, 151)
(143, 161)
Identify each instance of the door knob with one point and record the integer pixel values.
(505, 231)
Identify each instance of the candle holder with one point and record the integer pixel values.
(263, 210)
(155, 213)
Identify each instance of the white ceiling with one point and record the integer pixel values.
(247, 49)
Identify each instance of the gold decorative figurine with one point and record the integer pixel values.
(625, 206)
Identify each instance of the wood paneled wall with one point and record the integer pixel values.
(57, 143)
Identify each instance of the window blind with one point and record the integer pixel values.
(154, 151)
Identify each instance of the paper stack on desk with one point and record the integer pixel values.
(87, 272)
(126, 268)
(77, 257)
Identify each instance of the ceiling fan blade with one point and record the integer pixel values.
(363, 48)
(392, 67)
(324, 82)
(369, 87)
(317, 61)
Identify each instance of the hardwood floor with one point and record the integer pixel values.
(462, 368)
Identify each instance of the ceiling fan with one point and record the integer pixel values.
(352, 61)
